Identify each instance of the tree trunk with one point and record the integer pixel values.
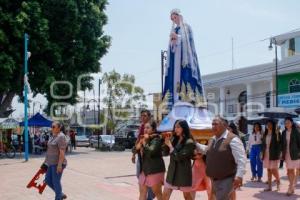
(5, 104)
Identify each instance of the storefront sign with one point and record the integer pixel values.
(289, 100)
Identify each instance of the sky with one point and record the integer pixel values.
(140, 30)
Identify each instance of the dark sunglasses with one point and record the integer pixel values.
(53, 127)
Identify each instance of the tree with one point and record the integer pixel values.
(66, 41)
(122, 95)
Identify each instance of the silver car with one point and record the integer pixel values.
(82, 141)
(104, 141)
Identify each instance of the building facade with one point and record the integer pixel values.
(243, 92)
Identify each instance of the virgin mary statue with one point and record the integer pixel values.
(182, 81)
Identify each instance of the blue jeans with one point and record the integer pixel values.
(53, 181)
(150, 194)
(255, 161)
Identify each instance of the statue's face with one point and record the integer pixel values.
(175, 18)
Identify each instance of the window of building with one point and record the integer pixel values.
(297, 45)
(294, 86)
(232, 108)
(268, 99)
(242, 99)
(291, 51)
(291, 47)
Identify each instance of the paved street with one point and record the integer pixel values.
(102, 176)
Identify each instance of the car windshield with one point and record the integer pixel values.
(108, 137)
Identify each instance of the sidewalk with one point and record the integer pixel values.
(104, 176)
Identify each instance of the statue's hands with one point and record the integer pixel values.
(173, 37)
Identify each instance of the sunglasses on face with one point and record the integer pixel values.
(53, 127)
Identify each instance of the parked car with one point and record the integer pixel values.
(104, 141)
(127, 135)
(82, 141)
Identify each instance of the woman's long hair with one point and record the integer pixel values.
(259, 127)
(275, 133)
(153, 125)
(185, 130)
(293, 123)
(234, 129)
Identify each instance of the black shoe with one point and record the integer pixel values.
(63, 196)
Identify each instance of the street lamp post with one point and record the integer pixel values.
(94, 109)
(99, 87)
(25, 95)
(95, 121)
(273, 41)
(276, 72)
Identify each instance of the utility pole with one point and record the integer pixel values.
(232, 54)
(95, 122)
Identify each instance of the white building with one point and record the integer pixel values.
(244, 91)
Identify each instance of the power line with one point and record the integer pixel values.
(252, 74)
(225, 51)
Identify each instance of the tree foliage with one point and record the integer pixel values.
(122, 96)
(66, 41)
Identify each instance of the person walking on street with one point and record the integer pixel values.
(225, 160)
(271, 148)
(153, 169)
(181, 149)
(255, 146)
(73, 139)
(55, 160)
(201, 181)
(234, 129)
(297, 123)
(145, 118)
(290, 152)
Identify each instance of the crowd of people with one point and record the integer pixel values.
(196, 167)
(217, 167)
(270, 147)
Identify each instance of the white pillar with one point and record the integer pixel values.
(249, 93)
(250, 98)
(271, 94)
(222, 100)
